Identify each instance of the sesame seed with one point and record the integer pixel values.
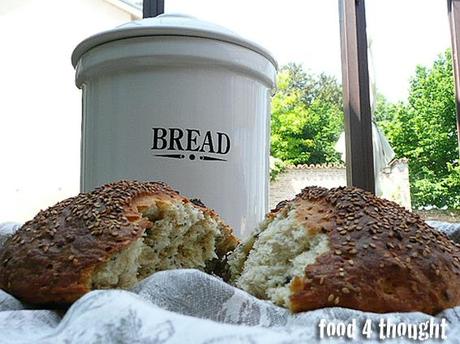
(353, 251)
(330, 298)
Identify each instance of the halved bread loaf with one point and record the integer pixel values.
(346, 247)
(110, 238)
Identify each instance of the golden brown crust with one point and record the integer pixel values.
(52, 257)
(382, 258)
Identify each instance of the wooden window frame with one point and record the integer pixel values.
(153, 8)
(356, 98)
(453, 10)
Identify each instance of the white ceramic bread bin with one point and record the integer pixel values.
(183, 101)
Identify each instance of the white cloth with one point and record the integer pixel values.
(186, 306)
(382, 153)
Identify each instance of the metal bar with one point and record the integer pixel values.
(153, 8)
(453, 9)
(355, 81)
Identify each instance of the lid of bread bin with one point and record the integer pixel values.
(168, 25)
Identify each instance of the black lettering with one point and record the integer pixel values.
(175, 140)
(159, 135)
(220, 143)
(207, 142)
(192, 139)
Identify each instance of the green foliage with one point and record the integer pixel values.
(386, 112)
(424, 130)
(307, 117)
(277, 166)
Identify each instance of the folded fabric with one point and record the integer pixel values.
(189, 306)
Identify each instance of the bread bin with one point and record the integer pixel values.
(181, 100)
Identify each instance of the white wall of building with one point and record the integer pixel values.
(40, 106)
(393, 179)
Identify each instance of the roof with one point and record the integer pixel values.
(337, 165)
(135, 3)
(133, 7)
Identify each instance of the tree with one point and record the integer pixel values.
(385, 112)
(424, 131)
(307, 117)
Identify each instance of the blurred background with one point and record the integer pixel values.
(40, 107)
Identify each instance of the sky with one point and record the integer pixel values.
(404, 33)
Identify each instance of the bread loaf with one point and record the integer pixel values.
(110, 238)
(345, 247)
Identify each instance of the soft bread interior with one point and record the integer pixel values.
(279, 250)
(178, 235)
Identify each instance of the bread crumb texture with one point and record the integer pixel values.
(179, 236)
(279, 251)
